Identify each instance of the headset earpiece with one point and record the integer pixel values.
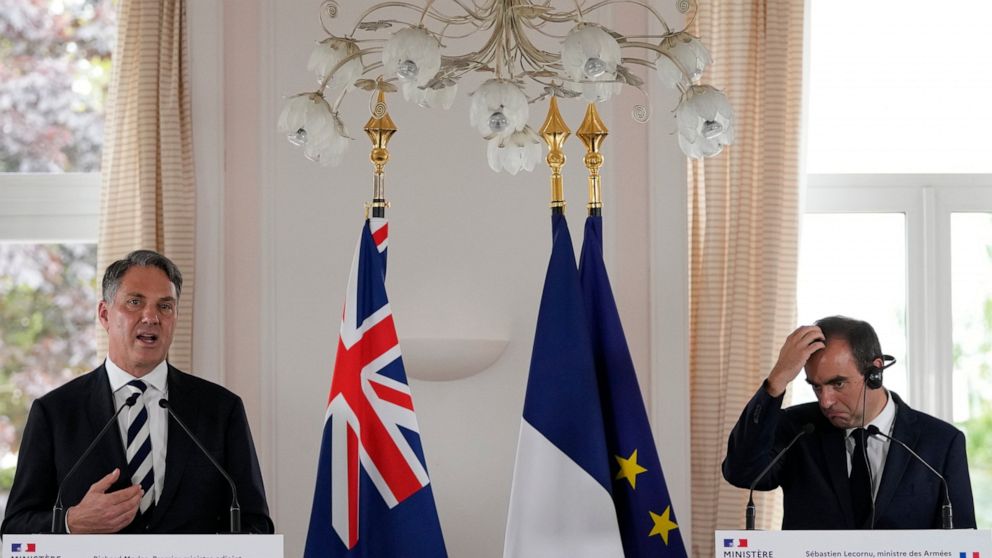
(873, 375)
(873, 378)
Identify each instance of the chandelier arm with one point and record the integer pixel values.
(423, 14)
(654, 12)
(530, 51)
(359, 54)
(657, 49)
(479, 12)
(406, 5)
(329, 7)
(639, 62)
(692, 18)
(537, 27)
(658, 37)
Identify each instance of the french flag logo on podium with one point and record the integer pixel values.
(22, 547)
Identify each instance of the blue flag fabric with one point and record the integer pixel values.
(647, 521)
(373, 497)
(560, 504)
(562, 400)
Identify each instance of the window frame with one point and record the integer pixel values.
(928, 201)
(49, 208)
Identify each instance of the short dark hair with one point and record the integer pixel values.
(860, 336)
(141, 258)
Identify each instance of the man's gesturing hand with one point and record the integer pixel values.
(796, 350)
(100, 512)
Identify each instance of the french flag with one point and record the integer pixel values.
(22, 547)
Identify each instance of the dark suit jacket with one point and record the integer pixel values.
(813, 473)
(195, 497)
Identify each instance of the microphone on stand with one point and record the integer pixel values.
(235, 519)
(750, 511)
(58, 511)
(946, 511)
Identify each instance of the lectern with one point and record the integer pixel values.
(134, 546)
(937, 543)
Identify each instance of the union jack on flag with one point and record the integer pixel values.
(373, 496)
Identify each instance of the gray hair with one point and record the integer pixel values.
(141, 258)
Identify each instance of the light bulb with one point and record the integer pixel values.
(298, 138)
(498, 122)
(407, 69)
(594, 68)
(712, 129)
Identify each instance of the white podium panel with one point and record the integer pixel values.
(142, 546)
(954, 543)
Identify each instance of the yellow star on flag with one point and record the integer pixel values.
(663, 524)
(629, 469)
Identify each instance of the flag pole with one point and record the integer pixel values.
(555, 132)
(380, 129)
(593, 133)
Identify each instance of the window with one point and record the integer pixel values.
(898, 224)
(54, 71)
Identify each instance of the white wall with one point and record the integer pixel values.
(468, 252)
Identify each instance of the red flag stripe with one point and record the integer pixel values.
(393, 396)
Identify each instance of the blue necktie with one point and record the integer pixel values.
(139, 447)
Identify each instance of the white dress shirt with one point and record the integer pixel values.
(876, 448)
(158, 427)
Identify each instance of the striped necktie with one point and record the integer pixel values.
(139, 447)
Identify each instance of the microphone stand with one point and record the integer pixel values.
(58, 510)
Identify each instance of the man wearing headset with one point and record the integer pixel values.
(843, 473)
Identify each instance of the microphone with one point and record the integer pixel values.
(235, 520)
(946, 511)
(58, 511)
(750, 512)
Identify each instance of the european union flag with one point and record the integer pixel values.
(648, 525)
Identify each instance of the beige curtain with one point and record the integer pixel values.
(148, 191)
(743, 220)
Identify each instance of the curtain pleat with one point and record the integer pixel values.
(744, 227)
(148, 191)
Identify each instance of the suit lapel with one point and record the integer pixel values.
(178, 446)
(101, 408)
(832, 443)
(897, 459)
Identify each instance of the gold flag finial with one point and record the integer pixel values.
(555, 132)
(593, 133)
(380, 129)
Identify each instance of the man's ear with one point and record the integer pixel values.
(103, 313)
(878, 363)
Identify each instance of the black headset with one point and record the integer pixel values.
(873, 374)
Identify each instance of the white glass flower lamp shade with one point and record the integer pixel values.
(499, 108)
(705, 122)
(308, 122)
(332, 53)
(520, 151)
(430, 97)
(683, 59)
(590, 56)
(412, 55)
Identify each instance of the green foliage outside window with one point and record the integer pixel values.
(48, 297)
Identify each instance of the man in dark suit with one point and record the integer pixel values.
(837, 476)
(144, 476)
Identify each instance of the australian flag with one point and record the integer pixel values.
(373, 496)
(647, 520)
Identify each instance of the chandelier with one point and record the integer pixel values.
(526, 51)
